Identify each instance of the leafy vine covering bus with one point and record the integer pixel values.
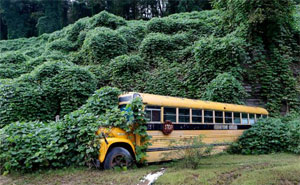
(172, 119)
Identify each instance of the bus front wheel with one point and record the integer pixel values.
(118, 157)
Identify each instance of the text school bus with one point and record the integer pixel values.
(172, 119)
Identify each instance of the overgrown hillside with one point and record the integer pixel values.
(207, 54)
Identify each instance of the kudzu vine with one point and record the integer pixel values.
(29, 146)
(249, 43)
(178, 55)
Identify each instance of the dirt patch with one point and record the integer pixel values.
(288, 182)
(196, 176)
(4, 180)
(228, 177)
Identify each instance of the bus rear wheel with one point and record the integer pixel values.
(118, 157)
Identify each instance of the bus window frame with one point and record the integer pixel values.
(202, 117)
(176, 115)
(213, 116)
(191, 116)
(250, 118)
(245, 118)
(151, 113)
(189, 110)
(219, 117)
(239, 117)
(224, 117)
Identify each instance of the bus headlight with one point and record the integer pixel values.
(136, 95)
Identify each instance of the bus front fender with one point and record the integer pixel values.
(112, 142)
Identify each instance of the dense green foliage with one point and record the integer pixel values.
(161, 45)
(273, 47)
(225, 88)
(55, 15)
(53, 88)
(12, 64)
(16, 16)
(131, 68)
(29, 146)
(207, 54)
(269, 136)
(101, 45)
(177, 55)
(133, 33)
(214, 56)
(165, 80)
(172, 24)
(33, 145)
(28, 18)
(297, 18)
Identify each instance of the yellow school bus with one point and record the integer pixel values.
(173, 118)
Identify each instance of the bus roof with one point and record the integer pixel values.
(168, 101)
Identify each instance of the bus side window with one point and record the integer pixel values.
(237, 118)
(228, 117)
(244, 118)
(251, 118)
(153, 113)
(196, 116)
(219, 116)
(208, 116)
(184, 115)
(170, 114)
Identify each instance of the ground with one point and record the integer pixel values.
(218, 169)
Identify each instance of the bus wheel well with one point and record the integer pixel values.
(123, 145)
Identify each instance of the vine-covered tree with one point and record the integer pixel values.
(225, 88)
(16, 18)
(55, 16)
(3, 28)
(26, 18)
(268, 28)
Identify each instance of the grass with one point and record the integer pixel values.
(74, 175)
(217, 169)
(238, 169)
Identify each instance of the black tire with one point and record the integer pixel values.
(118, 156)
